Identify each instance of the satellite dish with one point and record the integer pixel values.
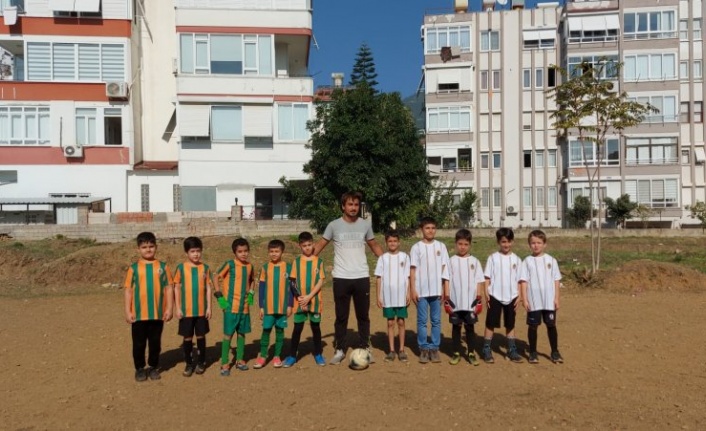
(502, 2)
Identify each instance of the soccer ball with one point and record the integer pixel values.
(359, 359)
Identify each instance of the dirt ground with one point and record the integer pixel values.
(631, 350)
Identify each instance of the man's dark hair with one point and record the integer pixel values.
(356, 196)
(276, 243)
(146, 238)
(239, 242)
(504, 232)
(192, 242)
(464, 234)
(305, 236)
(392, 233)
(427, 220)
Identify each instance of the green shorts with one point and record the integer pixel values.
(394, 312)
(236, 322)
(305, 315)
(276, 320)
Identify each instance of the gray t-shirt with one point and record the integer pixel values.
(349, 242)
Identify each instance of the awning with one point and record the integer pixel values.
(547, 34)
(194, 120)
(61, 5)
(538, 34)
(700, 155)
(593, 23)
(87, 6)
(530, 35)
(575, 23)
(449, 76)
(612, 22)
(257, 120)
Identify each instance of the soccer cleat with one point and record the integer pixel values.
(488, 355)
(289, 361)
(556, 357)
(188, 370)
(402, 356)
(225, 371)
(338, 357)
(390, 357)
(473, 360)
(434, 356)
(200, 368)
(371, 359)
(319, 359)
(241, 366)
(513, 355)
(455, 359)
(424, 357)
(140, 375)
(276, 362)
(259, 362)
(533, 359)
(153, 372)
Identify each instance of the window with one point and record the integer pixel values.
(489, 41)
(585, 153)
(650, 67)
(698, 69)
(551, 158)
(666, 108)
(527, 197)
(176, 198)
(539, 78)
(497, 161)
(86, 126)
(684, 112)
(113, 126)
(526, 78)
(226, 123)
(551, 196)
(24, 125)
(448, 164)
(484, 198)
(684, 29)
(649, 25)
(551, 78)
(544, 39)
(484, 160)
(684, 70)
(484, 80)
(539, 159)
(592, 194)
(651, 151)
(497, 198)
(496, 80)
(655, 193)
(448, 119)
(465, 161)
(685, 158)
(145, 198)
(539, 196)
(608, 65)
(448, 87)
(698, 112)
(225, 54)
(75, 62)
(439, 37)
(528, 158)
(587, 29)
(697, 28)
(292, 120)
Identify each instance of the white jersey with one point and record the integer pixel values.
(432, 265)
(503, 271)
(541, 274)
(465, 273)
(393, 270)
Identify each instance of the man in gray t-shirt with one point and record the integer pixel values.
(351, 275)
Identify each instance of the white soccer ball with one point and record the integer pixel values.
(359, 359)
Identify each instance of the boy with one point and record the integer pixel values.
(467, 281)
(539, 284)
(148, 304)
(275, 302)
(392, 285)
(502, 275)
(192, 295)
(236, 277)
(429, 278)
(308, 274)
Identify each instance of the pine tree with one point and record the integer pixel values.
(364, 68)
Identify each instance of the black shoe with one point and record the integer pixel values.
(141, 375)
(189, 370)
(533, 359)
(200, 368)
(556, 357)
(488, 355)
(154, 373)
(513, 355)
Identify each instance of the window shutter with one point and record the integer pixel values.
(257, 120)
(89, 62)
(38, 61)
(194, 120)
(113, 62)
(64, 61)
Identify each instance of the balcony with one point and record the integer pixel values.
(244, 4)
(205, 87)
(281, 14)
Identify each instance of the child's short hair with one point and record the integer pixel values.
(464, 234)
(276, 243)
(504, 232)
(538, 234)
(146, 238)
(305, 236)
(239, 242)
(392, 233)
(355, 196)
(427, 220)
(192, 242)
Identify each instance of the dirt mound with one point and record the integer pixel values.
(647, 275)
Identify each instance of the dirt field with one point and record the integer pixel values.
(632, 361)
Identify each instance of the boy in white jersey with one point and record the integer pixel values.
(467, 281)
(429, 278)
(392, 282)
(539, 284)
(502, 275)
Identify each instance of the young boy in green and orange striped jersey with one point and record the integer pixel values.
(308, 273)
(234, 297)
(275, 302)
(148, 302)
(192, 296)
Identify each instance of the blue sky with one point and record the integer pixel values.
(389, 27)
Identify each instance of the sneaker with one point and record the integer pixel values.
(424, 357)
(225, 371)
(200, 368)
(259, 362)
(153, 372)
(390, 357)
(188, 370)
(402, 356)
(434, 356)
(338, 357)
(289, 361)
(514, 356)
(556, 357)
(319, 359)
(488, 355)
(241, 366)
(455, 359)
(276, 362)
(533, 359)
(140, 375)
(473, 359)
(371, 359)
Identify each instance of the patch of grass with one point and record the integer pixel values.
(18, 245)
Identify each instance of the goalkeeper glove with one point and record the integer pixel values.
(477, 305)
(449, 306)
(222, 302)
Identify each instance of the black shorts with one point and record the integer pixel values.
(463, 317)
(496, 308)
(534, 318)
(188, 326)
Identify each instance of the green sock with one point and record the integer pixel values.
(225, 351)
(264, 342)
(279, 341)
(240, 352)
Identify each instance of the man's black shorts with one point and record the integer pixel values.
(188, 326)
(463, 317)
(534, 318)
(496, 308)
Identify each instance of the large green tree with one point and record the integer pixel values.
(364, 68)
(620, 210)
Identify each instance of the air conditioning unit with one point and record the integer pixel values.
(455, 51)
(116, 90)
(511, 209)
(73, 151)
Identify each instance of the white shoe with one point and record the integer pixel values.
(338, 357)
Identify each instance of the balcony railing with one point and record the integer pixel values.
(651, 35)
(592, 39)
(244, 4)
(651, 162)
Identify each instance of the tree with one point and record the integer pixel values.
(466, 207)
(364, 68)
(366, 142)
(590, 108)
(643, 212)
(580, 213)
(620, 210)
(698, 211)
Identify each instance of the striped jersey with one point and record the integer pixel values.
(541, 274)
(192, 280)
(308, 271)
(275, 296)
(237, 278)
(465, 274)
(503, 271)
(393, 270)
(432, 266)
(148, 280)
